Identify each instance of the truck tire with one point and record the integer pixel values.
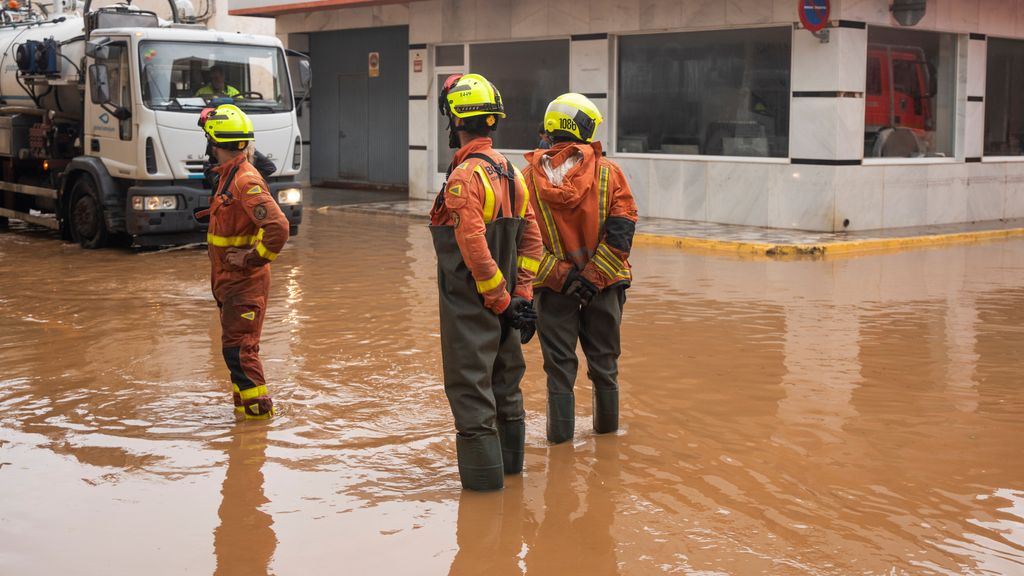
(85, 215)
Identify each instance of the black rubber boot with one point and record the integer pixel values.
(513, 444)
(480, 465)
(561, 417)
(606, 411)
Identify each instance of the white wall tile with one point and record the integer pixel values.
(425, 22)
(740, 193)
(785, 11)
(905, 202)
(748, 12)
(870, 11)
(419, 82)
(998, 17)
(391, 15)
(947, 193)
(637, 172)
(567, 17)
(974, 130)
(702, 13)
(839, 64)
(1014, 204)
(419, 176)
(859, 197)
(805, 197)
(529, 18)
(986, 191)
(494, 19)
(664, 14)
(614, 15)
(602, 129)
(827, 128)
(666, 193)
(589, 66)
(958, 15)
(459, 20)
(419, 122)
(977, 62)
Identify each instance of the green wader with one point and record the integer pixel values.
(483, 361)
(561, 323)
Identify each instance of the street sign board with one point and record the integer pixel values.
(814, 14)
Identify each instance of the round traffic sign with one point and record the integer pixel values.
(814, 14)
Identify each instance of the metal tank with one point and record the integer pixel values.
(55, 84)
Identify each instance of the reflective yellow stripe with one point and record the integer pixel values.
(529, 264)
(224, 241)
(488, 191)
(262, 251)
(491, 284)
(526, 192)
(549, 223)
(603, 199)
(607, 253)
(546, 266)
(610, 264)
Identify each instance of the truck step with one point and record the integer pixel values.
(45, 221)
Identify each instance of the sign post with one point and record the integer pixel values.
(814, 15)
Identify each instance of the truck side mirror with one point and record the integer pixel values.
(98, 49)
(305, 74)
(99, 84)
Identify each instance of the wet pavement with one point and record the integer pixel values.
(860, 415)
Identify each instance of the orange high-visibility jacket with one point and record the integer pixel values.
(243, 215)
(473, 196)
(587, 221)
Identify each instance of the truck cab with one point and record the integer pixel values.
(899, 99)
(109, 143)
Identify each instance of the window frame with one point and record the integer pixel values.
(512, 154)
(612, 121)
(995, 159)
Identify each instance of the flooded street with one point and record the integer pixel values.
(862, 415)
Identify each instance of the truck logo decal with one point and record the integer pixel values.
(105, 118)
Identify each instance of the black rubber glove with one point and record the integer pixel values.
(578, 286)
(519, 313)
(526, 333)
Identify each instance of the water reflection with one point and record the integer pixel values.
(244, 541)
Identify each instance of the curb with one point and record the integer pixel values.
(826, 248)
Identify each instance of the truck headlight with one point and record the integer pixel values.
(289, 196)
(154, 203)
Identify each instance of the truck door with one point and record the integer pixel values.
(908, 91)
(107, 136)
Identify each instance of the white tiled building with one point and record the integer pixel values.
(718, 110)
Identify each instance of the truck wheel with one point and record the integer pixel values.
(85, 215)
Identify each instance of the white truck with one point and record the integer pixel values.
(99, 112)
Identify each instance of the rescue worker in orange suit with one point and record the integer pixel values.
(588, 218)
(247, 231)
(488, 250)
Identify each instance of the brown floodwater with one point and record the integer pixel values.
(851, 416)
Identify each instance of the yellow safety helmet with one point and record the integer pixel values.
(572, 115)
(227, 127)
(470, 95)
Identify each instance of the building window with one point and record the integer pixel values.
(910, 106)
(449, 55)
(719, 93)
(529, 75)
(1004, 117)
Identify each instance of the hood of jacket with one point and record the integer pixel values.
(577, 181)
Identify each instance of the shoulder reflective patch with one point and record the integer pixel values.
(249, 315)
(254, 190)
(462, 166)
(259, 212)
(455, 190)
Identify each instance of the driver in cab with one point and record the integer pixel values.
(217, 86)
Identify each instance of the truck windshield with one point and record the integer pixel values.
(187, 75)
